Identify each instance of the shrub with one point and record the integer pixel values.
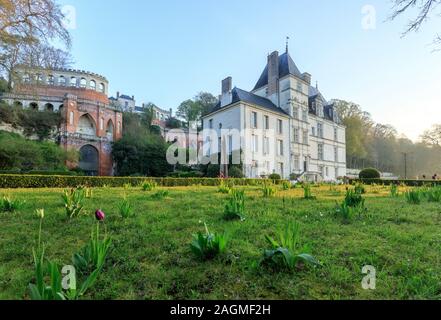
(126, 209)
(268, 191)
(369, 173)
(7, 204)
(286, 251)
(39, 181)
(149, 185)
(286, 185)
(413, 196)
(235, 207)
(235, 172)
(209, 245)
(275, 176)
(73, 202)
(213, 170)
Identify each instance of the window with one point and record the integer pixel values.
(336, 154)
(305, 136)
(296, 135)
(255, 143)
(38, 78)
(320, 151)
(299, 86)
(210, 124)
(335, 134)
(279, 126)
(280, 147)
(266, 122)
(26, 78)
(296, 162)
(319, 110)
(73, 82)
(83, 83)
(62, 81)
(320, 130)
(313, 131)
(230, 145)
(254, 120)
(126, 105)
(92, 85)
(265, 145)
(295, 112)
(102, 88)
(50, 80)
(304, 115)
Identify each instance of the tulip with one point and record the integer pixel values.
(99, 215)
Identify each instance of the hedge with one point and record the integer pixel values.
(43, 181)
(407, 182)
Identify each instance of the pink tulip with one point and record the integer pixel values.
(99, 215)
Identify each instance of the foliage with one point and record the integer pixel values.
(286, 250)
(126, 209)
(235, 172)
(18, 153)
(359, 188)
(73, 201)
(369, 173)
(209, 245)
(413, 196)
(394, 191)
(45, 181)
(434, 194)
(286, 185)
(8, 204)
(354, 199)
(235, 207)
(160, 194)
(307, 193)
(148, 185)
(213, 170)
(268, 190)
(274, 176)
(224, 187)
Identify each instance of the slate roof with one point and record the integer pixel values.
(239, 95)
(126, 97)
(286, 66)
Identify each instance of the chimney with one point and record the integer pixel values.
(171, 112)
(117, 94)
(273, 77)
(226, 97)
(133, 97)
(307, 78)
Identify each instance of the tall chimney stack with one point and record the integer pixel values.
(117, 94)
(273, 77)
(226, 97)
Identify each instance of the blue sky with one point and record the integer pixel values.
(167, 51)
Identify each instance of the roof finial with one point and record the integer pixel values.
(287, 43)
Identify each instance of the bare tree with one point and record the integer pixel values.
(433, 136)
(424, 7)
(27, 28)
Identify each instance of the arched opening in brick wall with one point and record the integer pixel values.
(86, 125)
(89, 160)
(49, 107)
(18, 104)
(33, 106)
(109, 130)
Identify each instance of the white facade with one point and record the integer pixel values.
(286, 126)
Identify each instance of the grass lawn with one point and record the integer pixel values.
(151, 257)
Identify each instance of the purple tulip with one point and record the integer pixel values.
(99, 215)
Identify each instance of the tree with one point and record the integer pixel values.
(433, 136)
(424, 7)
(207, 102)
(27, 30)
(189, 110)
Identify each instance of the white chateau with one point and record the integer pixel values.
(286, 125)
